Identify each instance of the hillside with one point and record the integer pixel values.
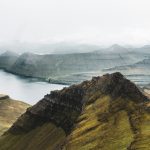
(144, 64)
(108, 113)
(67, 68)
(10, 110)
(50, 66)
(138, 72)
(7, 59)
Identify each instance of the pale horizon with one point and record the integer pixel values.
(98, 22)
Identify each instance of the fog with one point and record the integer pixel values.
(99, 22)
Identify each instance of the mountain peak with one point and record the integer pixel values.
(9, 54)
(72, 99)
(27, 54)
(117, 85)
(117, 48)
(104, 110)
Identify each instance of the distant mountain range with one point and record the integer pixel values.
(144, 64)
(67, 68)
(52, 48)
(138, 72)
(69, 47)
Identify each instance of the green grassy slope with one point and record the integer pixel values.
(45, 137)
(111, 125)
(115, 115)
(10, 110)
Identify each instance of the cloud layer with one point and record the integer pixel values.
(87, 21)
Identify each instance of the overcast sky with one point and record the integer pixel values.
(87, 21)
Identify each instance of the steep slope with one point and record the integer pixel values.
(7, 59)
(26, 65)
(108, 113)
(144, 64)
(62, 67)
(138, 72)
(10, 110)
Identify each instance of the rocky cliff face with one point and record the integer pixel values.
(108, 113)
(60, 107)
(65, 68)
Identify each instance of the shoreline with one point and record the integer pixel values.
(51, 81)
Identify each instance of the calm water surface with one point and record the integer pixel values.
(25, 89)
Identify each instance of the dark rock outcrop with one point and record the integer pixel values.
(63, 107)
(2, 96)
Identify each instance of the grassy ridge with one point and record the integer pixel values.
(104, 124)
(111, 125)
(46, 137)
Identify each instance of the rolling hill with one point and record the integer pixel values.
(10, 110)
(7, 59)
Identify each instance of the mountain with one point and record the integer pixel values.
(114, 49)
(117, 49)
(138, 72)
(61, 67)
(27, 65)
(9, 54)
(144, 49)
(7, 59)
(10, 110)
(143, 65)
(49, 48)
(68, 48)
(77, 67)
(107, 112)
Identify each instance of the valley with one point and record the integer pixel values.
(108, 112)
(29, 90)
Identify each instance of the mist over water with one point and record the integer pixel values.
(25, 89)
